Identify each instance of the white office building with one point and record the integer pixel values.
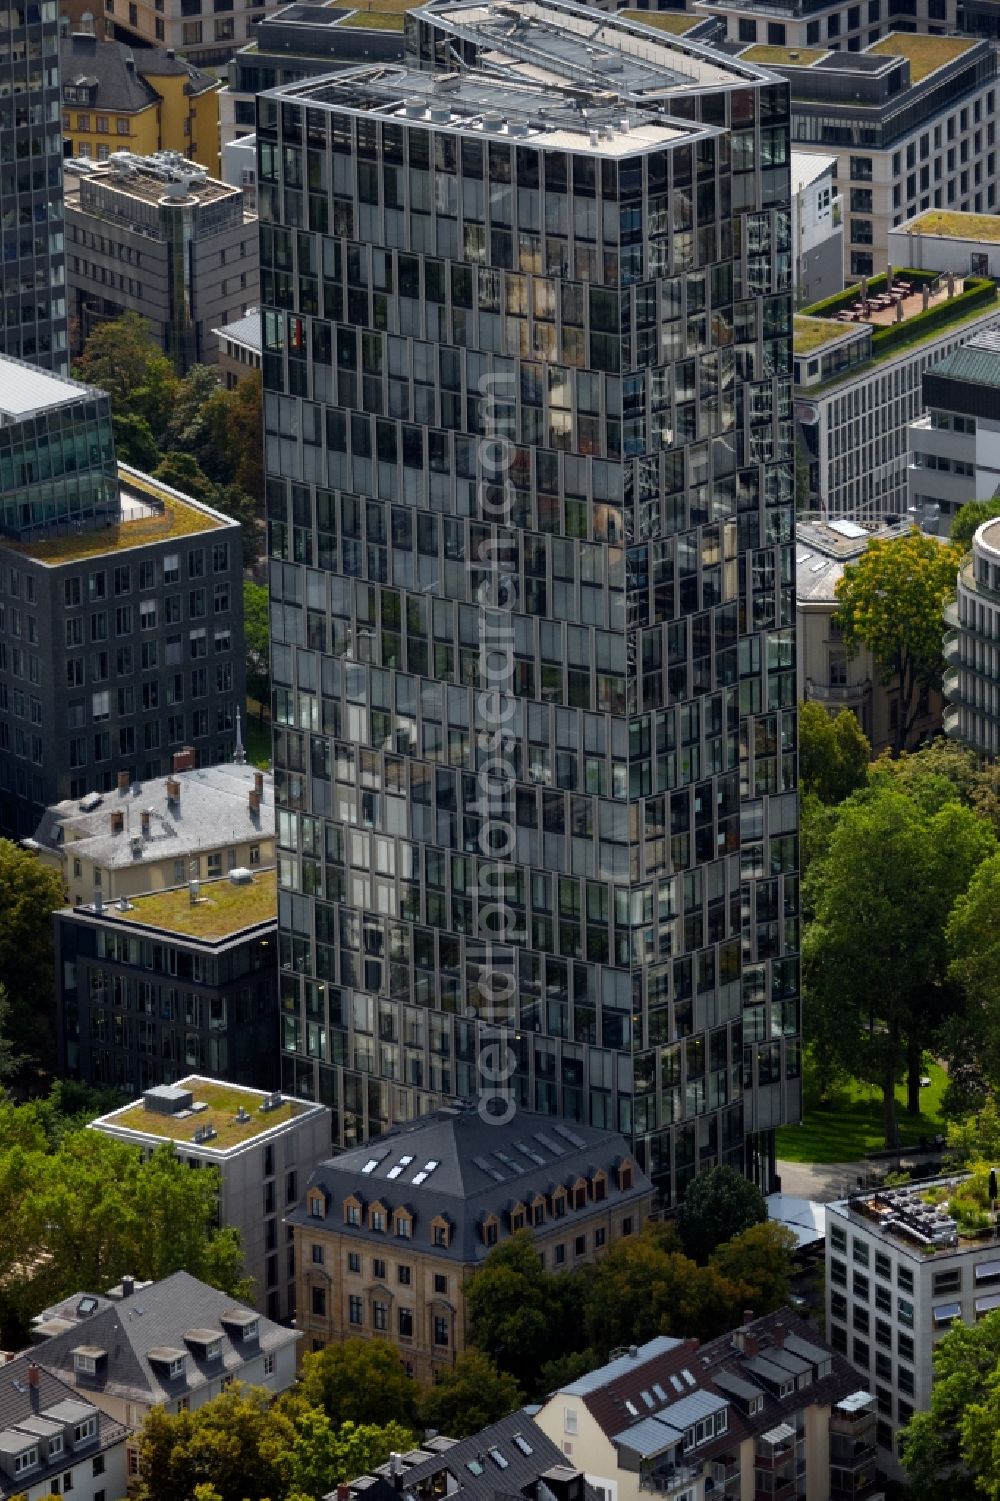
(817, 228)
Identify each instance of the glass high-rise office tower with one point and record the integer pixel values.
(527, 326)
(32, 262)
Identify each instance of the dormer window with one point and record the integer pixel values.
(352, 1212)
(491, 1230)
(600, 1187)
(176, 1367)
(559, 1205)
(440, 1232)
(377, 1218)
(250, 1331)
(404, 1226)
(55, 1445)
(625, 1176)
(26, 1460)
(579, 1194)
(85, 1431)
(86, 1360)
(316, 1204)
(517, 1218)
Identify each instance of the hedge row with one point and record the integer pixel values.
(979, 292)
(876, 284)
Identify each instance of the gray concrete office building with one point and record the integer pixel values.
(32, 260)
(568, 235)
(156, 235)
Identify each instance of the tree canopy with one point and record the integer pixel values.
(29, 894)
(189, 431)
(257, 636)
(718, 1204)
(891, 872)
(516, 1309)
(83, 1212)
(758, 1262)
(951, 1450)
(359, 1381)
(892, 601)
(469, 1395)
(833, 753)
(969, 518)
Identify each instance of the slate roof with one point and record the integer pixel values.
(456, 1164)
(656, 1367)
(17, 1408)
(213, 810)
(515, 1474)
(157, 1318)
(120, 74)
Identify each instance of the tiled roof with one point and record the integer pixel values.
(157, 1318)
(657, 1367)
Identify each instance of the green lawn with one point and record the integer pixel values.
(850, 1123)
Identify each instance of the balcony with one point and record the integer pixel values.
(950, 685)
(952, 648)
(665, 1482)
(838, 693)
(951, 615)
(952, 722)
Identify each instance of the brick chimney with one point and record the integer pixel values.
(253, 799)
(117, 821)
(778, 1336)
(258, 784)
(745, 1338)
(184, 759)
(123, 780)
(173, 790)
(33, 1386)
(145, 818)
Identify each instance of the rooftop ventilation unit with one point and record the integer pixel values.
(241, 875)
(271, 1102)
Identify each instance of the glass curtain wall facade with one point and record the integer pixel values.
(474, 289)
(33, 269)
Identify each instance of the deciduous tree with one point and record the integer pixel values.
(239, 1444)
(875, 954)
(892, 601)
(257, 639)
(759, 1263)
(951, 1451)
(29, 894)
(718, 1204)
(516, 1309)
(122, 358)
(833, 753)
(644, 1286)
(969, 518)
(323, 1457)
(359, 1381)
(469, 1395)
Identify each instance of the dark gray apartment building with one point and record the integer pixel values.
(156, 235)
(157, 985)
(121, 608)
(526, 353)
(32, 260)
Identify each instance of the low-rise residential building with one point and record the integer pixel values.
(511, 1457)
(388, 1233)
(939, 240)
(858, 384)
(826, 673)
(146, 100)
(157, 236)
(54, 1440)
(239, 348)
(175, 1344)
(197, 823)
(954, 446)
(768, 1410)
(121, 608)
(817, 228)
(972, 647)
(264, 1146)
(900, 1270)
(159, 985)
(911, 121)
